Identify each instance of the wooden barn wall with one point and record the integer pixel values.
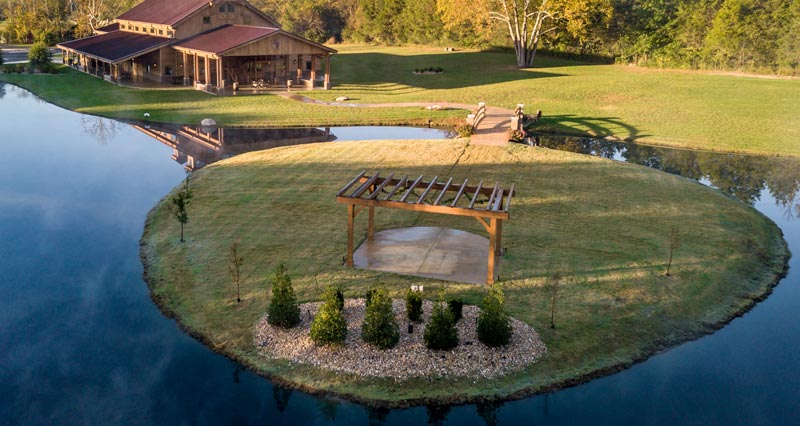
(145, 28)
(241, 16)
(286, 46)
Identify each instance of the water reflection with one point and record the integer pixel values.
(741, 176)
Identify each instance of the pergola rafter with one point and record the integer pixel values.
(419, 194)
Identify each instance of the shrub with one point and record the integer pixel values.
(39, 55)
(1, 56)
(456, 306)
(329, 326)
(463, 130)
(368, 296)
(380, 327)
(494, 327)
(414, 305)
(440, 333)
(283, 309)
(515, 135)
(339, 297)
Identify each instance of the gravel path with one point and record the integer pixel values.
(410, 358)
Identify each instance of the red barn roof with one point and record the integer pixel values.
(225, 38)
(162, 12)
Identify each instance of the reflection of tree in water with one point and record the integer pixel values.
(488, 412)
(2, 90)
(328, 407)
(102, 129)
(377, 415)
(437, 414)
(281, 396)
(742, 176)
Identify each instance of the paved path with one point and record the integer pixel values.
(492, 130)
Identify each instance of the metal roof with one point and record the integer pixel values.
(163, 12)
(225, 38)
(117, 46)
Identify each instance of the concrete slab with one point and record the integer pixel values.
(431, 252)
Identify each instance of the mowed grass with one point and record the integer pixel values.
(675, 108)
(85, 94)
(602, 225)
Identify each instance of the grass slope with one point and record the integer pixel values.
(89, 95)
(602, 224)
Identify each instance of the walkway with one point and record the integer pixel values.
(431, 252)
(492, 130)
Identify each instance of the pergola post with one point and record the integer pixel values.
(327, 84)
(351, 217)
(492, 249)
(371, 228)
(499, 249)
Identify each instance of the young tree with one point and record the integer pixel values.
(494, 326)
(40, 56)
(414, 305)
(380, 327)
(180, 202)
(234, 264)
(555, 283)
(441, 333)
(674, 244)
(329, 326)
(283, 309)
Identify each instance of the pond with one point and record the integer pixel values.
(82, 343)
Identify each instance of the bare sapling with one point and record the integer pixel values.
(234, 268)
(674, 243)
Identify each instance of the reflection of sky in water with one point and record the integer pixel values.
(81, 342)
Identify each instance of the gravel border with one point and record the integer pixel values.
(409, 358)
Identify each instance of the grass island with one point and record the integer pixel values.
(600, 227)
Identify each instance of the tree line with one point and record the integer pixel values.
(747, 35)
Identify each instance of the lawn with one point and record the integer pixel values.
(602, 225)
(676, 108)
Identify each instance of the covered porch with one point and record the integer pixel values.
(232, 57)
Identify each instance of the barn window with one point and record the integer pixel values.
(206, 19)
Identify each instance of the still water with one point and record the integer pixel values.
(81, 342)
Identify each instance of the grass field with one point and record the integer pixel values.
(603, 225)
(676, 108)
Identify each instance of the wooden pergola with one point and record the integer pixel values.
(433, 196)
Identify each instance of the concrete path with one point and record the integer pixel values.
(431, 252)
(492, 130)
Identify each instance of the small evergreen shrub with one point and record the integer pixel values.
(440, 333)
(39, 55)
(456, 307)
(368, 296)
(463, 130)
(339, 297)
(329, 326)
(283, 308)
(494, 326)
(414, 305)
(1, 56)
(380, 327)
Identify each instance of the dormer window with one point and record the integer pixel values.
(227, 8)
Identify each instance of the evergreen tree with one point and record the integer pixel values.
(494, 326)
(329, 326)
(380, 327)
(283, 308)
(441, 333)
(414, 305)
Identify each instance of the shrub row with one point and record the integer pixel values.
(380, 327)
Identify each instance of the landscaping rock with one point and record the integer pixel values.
(410, 358)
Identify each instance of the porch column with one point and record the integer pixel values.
(313, 71)
(185, 69)
(196, 70)
(299, 68)
(327, 85)
(115, 73)
(220, 80)
(207, 77)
